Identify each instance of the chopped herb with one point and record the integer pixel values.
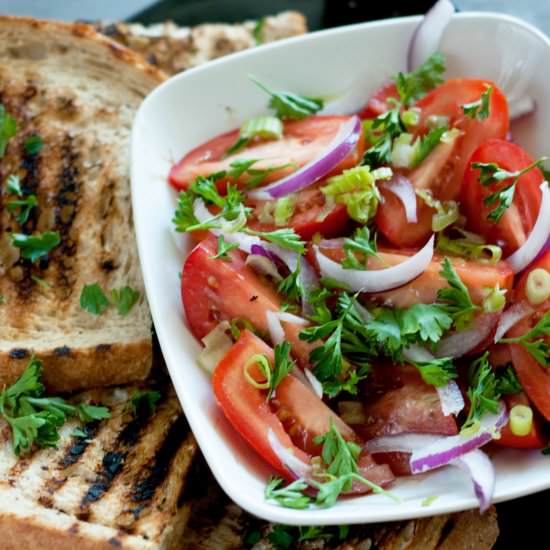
(468, 245)
(508, 382)
(206, 188)
(290, 496)
(33, 144)
(93, 299)
(437, 372)
(491, 173)
(223, 249)
(412, 86)
(143, 399)
(8, 128)
(284, 210)
(383, 129)
(78, 432)
(258, 30)
(281, 537)
(35, 246)
(423, 323)
(361, 243)
(427, 144)
(23, 207)
(428, 501)
(184, 216)
(34, 419)
(14, 185)
(291, 106)
(457, 298)
(479, 109)
(292, 285)
(282, 366)
(256, 175)
(124, 299)
(285, 238)
(533, 341)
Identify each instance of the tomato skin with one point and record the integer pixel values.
(518, 220)
(534, 378)
(476, 276)
(246, 407)
(447, 100)
(534, 440)
(302, 141)
(392, 222)
(309, 206)
(216, 290)
(377, 104)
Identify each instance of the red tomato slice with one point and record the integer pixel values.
(533, 440)
(476, 276)
(534, 378)
(378, 103)
(216, 290)
(447, 100)
(303, 140)
(296, 416)
(246, 407)
(518, 220)
(309, 216)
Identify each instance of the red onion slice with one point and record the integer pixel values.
(314, 383)
(536, 240)
(402, 188)
(338, 149)
(460, 343)
(426, 37)
(298, 468)
(482, 473)
(450, 448)
(401, 443)
(276, 331)
(381, 279)
(450, 395)
(512, 316)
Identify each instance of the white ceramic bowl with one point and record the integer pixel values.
(201, 103)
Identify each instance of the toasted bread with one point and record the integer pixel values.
(174, 49)
(78, 91)
(118, 488)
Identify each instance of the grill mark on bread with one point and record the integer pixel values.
(76, 450)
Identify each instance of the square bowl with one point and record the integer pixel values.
(348, 63)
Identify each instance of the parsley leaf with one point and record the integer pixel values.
(508, 382)
(483, 391)
(457, 298)
(93, 299)
(223, 249)
(491, 173)
(143, 399)
(124, 299)
(34, 419)
(285, 238)
(533, 341)
(290, 496)
(282, 365)
(35, 246)
(292, 285)
(412, 86)
(290, 106)
(14, 185)
(206, 188)
(479, 109)
(326, 358)
(424, 322)
(281, 537)
(24, 206)
(256, 176)
(427, 144)
(383, 129)
(362, 244)
(8, 128)
(437, 372)
(33, 144)
(184, 216)
(257, 31)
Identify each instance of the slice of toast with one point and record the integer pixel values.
(174, 49)
(79, 92)
(120, 487)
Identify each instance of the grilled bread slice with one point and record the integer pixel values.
(174, 49)
(120, 487)
(78, 91)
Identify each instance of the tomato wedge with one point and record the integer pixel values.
(447, 100)
(215, 290)
(303, 140)
(535, 439)
(534, 378)
(295, 417)
(309, 217)
(518, 220)
(476, 276)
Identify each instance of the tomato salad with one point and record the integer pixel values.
(372, 291)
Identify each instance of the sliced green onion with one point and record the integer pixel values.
(537, 288)
(284, 209)
(356, 188)
(411, 117)
(404, 150)
(470, 246)
(521, 420)
(494, 300)
(446, 214)
(437, 121)
(239, 324)
(265, 127)
(450, 135)
(266, 213)
(261, 361)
